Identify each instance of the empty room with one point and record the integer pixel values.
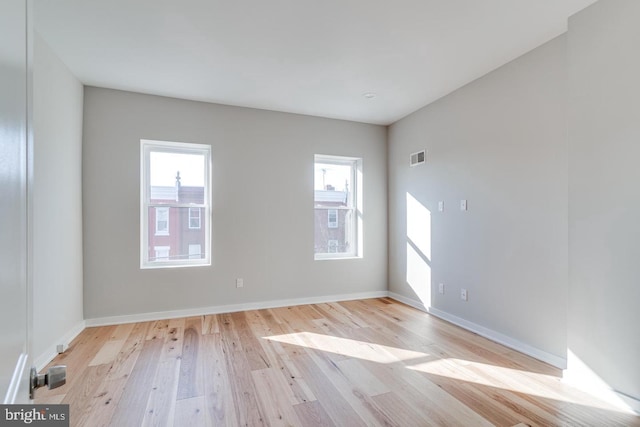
(304, 213)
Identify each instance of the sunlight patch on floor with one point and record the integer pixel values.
(547, 386)
(510, 379)
(351, 348)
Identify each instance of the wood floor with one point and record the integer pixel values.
(357, 363)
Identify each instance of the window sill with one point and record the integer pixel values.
(335, 258)
(153, 266)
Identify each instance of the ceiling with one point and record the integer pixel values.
(315, 57)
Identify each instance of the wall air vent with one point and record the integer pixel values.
(417, 158)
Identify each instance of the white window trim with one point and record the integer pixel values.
(146, 147)
(355, 206)
(199, 217)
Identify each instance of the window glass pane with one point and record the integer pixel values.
(179, 236)
(333, 184)
(177, 177)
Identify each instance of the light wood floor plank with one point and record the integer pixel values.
(210, 324)
(191, 412)
(107, 395)
(219, 396)
(247, 410)
(191, 383)
(87, 393)
(265, 326)
(354, 363)
(130, 410)
(107, 353)
(356, 373)
(158, 330)
(336, 407)
(273, 399)
(80, 352)
(312, 414)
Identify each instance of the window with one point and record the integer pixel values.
(338, 207)
(175, 204)
(162, 221)
(332, 218)
(194, 218)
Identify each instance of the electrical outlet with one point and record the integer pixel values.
(463, 294)
(60, 348)
(441, 206)
(239, 283)
(463, 205)
(441, 288)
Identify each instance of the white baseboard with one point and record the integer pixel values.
(231, 308)
(505, 340)
(51, 352)
(580, 375)
(629, 401)
(410, 302)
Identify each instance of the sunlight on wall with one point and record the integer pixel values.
(419, 275)
(418, 267)
(419, 226)
(580, 375)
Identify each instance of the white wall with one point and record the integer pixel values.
(604, 191)
(262, 205)
(499, 142)
(57, 202)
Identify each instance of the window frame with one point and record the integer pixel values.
(146, 147)
(354, 206)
